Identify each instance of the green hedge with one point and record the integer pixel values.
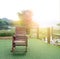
(6, 33)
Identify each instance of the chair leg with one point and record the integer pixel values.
(26, 49)
(13, 48)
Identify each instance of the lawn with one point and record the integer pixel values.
(36, 50)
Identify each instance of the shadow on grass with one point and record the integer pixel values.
(19, 53)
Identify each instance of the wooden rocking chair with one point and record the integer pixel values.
(20, 38)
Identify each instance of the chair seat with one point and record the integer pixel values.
(20, 42)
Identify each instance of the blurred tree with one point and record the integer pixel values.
(4, 24)
(26, 19)
(20, 15)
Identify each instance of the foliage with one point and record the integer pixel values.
(4, 24)
(6, 33)
(42, 33)
(58, 24)
(26, 19)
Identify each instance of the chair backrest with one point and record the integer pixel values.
(20, 30)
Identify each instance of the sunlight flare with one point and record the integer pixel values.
(45, 12)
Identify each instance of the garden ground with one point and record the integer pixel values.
(37, 49)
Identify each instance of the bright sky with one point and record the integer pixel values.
(45, 11)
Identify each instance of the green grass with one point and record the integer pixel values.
(36, 50)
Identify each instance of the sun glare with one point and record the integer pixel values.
(45, 12)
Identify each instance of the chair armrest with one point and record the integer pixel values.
(14, 36)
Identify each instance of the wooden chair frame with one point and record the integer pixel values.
(19, 37)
